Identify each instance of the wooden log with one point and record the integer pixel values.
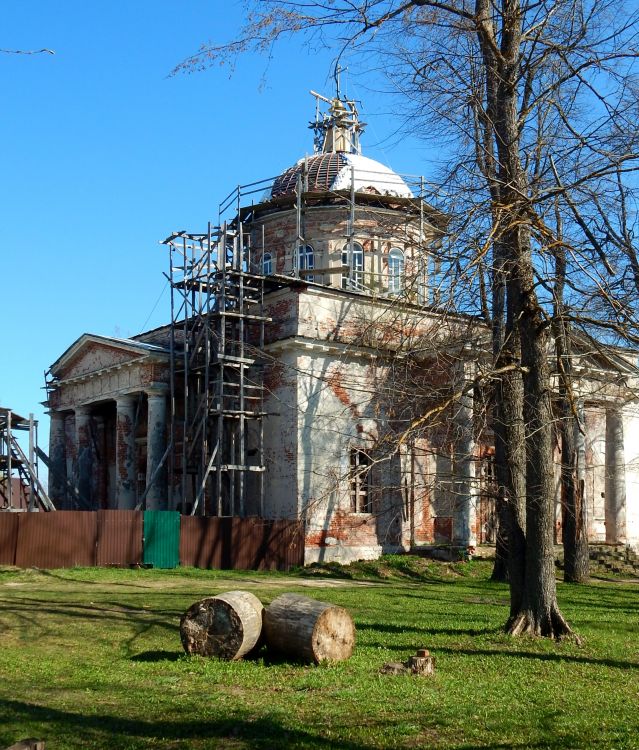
(309, 630)
(228, 625)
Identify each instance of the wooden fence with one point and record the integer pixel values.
(66, 539)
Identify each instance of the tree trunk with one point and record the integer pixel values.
(533, 606)
(309, 630)
(539, 612)
(511, 409)
(575, 537)
(500, 566)
(228, 625)
(504, 491)
(574, 531)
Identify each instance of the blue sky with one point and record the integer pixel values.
(103, 155)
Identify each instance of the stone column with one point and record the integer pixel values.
(100, 464)
(156, 498)
(580, 447)
(84, 453)
(58, 462)
(615, 478)
(125, 468)
(465, 487)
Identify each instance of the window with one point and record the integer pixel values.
(305, 261)
(354, 279)
(267, 264)
(395, 271)
(359, 474)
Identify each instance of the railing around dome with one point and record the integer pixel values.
(362, 187)
(244, 196)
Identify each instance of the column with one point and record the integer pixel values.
(125, 468)
(156, 498)
(100, 472)
(84, 453)
(464, 486)
(615, 478)
(58, 462)
(580, 447)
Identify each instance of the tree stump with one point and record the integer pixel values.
(228, 625)
(309, 630)
(422, 663)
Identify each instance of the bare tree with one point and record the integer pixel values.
(535, 104)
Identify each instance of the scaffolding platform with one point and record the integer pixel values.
(216, 364)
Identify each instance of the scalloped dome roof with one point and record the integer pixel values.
(334, 171)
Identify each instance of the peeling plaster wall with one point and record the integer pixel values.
(334, 397)
(329, 347)
(280, 438)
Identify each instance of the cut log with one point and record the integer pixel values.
(309, 630)
(228, 625)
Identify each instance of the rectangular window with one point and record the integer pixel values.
(395, 271)
(353, 257)
(305, 261)
(359, 481)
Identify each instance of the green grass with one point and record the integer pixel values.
(91, 658)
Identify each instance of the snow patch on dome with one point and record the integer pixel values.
(333, 171)
(370, 177)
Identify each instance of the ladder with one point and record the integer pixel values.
(13, 458)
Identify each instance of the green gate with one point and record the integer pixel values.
(162, 538)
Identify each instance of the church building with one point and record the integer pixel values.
(308, 371)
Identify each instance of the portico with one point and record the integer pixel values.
(109, 427)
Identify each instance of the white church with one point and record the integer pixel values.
(308, 372)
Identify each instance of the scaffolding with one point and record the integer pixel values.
(217, 393)
(215, 447)
(20, 485)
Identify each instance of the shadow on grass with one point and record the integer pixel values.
(158, 656)
(265, 657)
(79, 579)
(97, 609)
(386, 628)
(107, 731)
(537, 656)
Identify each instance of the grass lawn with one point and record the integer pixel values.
(91, 658)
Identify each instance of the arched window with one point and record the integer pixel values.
(305, 261)
(395, 271)
(267, 264)
(354, 278)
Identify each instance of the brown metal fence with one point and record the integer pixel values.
(267, 545)
(119, 538)
(205, 542)
(8, 538)
(241, 543)
(56, 540)
(115, 537)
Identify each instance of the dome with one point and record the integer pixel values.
(333, 171)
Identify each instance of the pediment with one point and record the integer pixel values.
(90, 354)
